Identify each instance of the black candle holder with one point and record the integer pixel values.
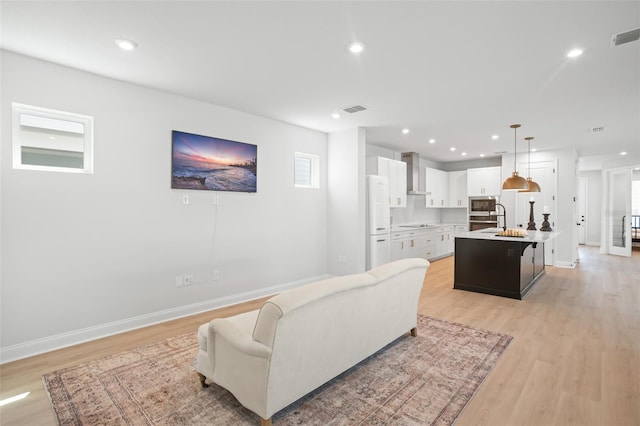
(531, 226)
(546, 226)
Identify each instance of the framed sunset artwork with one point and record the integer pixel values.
(212, 164)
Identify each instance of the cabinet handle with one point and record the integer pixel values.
(399, 201)
(401, 245)
(411, 243)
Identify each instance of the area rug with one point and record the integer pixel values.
(426, 380)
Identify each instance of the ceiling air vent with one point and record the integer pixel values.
(600, 129)
(625, 37)
(354, 108)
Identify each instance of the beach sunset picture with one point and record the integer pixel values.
(208, 163)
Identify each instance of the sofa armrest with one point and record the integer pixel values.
(238, 338)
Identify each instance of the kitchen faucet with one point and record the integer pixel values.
(504, 216)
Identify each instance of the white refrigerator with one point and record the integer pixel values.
(378, 221)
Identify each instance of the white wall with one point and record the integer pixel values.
(90, 255)
(346, 202)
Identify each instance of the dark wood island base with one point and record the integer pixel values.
(498, 267)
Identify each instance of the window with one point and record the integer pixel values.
(306, 171)
(46, 139)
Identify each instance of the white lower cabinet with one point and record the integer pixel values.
(445, 239)
(431, 243)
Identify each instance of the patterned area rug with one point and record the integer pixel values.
(426, 380)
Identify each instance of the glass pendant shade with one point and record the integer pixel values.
(533, 186)
(515, 182)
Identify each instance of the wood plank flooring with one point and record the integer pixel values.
(574, 359)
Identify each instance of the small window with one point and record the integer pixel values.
(306, 171)
(46, 139)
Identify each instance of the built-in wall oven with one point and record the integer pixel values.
(482, 213)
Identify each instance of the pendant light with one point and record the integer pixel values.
(533, 186)
(515, 182)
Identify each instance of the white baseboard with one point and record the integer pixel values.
(63, 340)
(592, 243)
(570, 265)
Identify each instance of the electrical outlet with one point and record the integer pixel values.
(188, 279)
(216, 199)
(185, 199)
(179, 281)
(216, 275)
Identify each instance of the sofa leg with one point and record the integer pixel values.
(414, 331)
(265, 422)
(202, 380)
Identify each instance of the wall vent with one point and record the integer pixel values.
(600, 129)
(354, 108)
(625, 37)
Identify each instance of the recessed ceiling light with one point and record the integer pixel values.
(623, 153)
(481, 155)
(356, 47)
(574, 53)
(432, 141)
(463, 153)
(125, 44)
(533, 150)
(494, 137)
(405, 131)
(335, 115)
(452, 149)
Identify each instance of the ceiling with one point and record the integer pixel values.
(457, 72)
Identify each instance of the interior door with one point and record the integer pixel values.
(619, 212)
(543, 173)
(581, 224)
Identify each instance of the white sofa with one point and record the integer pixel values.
(304, 337)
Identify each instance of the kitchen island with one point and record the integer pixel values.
(499, 265)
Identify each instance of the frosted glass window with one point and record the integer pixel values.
(46, 139)
(306, 173)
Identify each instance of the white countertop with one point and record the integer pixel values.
(490, 234)
(417, 226)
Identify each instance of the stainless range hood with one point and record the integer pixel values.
(413, 173)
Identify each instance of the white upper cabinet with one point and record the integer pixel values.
(458, 189)
(436, 187)
(484, 181)
(396, 172)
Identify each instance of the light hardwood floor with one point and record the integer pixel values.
(574, 359)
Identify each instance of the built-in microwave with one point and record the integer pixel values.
(482, 206)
